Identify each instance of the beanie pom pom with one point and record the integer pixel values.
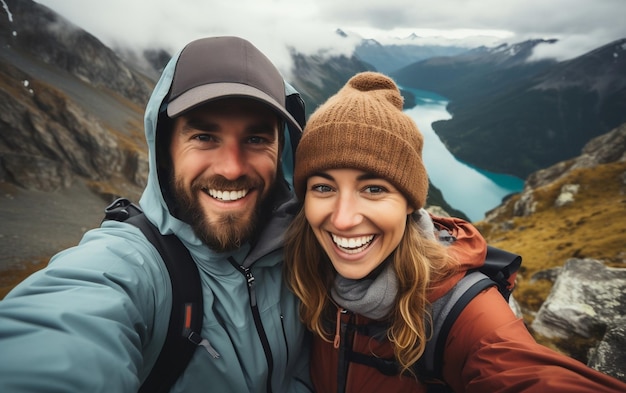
(372, 81)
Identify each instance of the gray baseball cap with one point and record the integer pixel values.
(219, 67)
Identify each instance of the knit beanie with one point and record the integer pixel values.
(363, 127)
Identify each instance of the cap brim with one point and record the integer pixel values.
(202, 94)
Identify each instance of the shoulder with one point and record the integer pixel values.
(486, 312)
(112, 249)
(116, 257)
(485, 318)
(97, 302)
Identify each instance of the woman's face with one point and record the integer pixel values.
(357, 217)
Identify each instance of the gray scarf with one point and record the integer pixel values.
(370, 297)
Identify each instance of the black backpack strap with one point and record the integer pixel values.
(186, 316)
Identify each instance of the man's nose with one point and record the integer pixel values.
(231, 162)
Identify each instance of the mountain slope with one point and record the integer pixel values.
(72, 133)
(572, 209)
(39, 33)
(390, 58)
(526, 116)
(477, 73)
(318, 77)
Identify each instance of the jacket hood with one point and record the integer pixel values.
(153, 202)
(465, 244)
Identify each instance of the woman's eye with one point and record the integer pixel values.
(321, 188)
(375, 189)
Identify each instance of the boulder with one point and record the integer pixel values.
(587, 304)
(586, 296)
(607, 356)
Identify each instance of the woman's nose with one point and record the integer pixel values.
(346, 214)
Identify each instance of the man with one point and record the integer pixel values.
(96, 318)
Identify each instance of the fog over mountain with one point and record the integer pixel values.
(309, 25)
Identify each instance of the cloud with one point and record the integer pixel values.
(310, 25)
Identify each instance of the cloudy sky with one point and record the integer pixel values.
(310, 25)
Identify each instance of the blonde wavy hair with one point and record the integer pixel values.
(419, 264)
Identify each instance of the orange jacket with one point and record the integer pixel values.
(488, 349)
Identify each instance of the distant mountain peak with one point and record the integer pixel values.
(341, 33)
(523, 48)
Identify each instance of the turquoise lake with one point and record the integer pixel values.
(466, 188)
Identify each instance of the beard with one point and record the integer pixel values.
(225, 231)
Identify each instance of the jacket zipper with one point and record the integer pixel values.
(343, 345)
(200, 341)
(282, 324)
(247, 273)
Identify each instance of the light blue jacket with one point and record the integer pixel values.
(95, 319)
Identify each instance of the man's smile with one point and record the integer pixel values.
(226, 195)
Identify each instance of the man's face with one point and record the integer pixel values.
(225, 159)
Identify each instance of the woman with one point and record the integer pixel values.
(367, 261)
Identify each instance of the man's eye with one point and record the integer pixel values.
(204, 137)
(256, 140)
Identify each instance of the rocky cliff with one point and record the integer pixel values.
(66, 113)
(567, 224)
(71, 133)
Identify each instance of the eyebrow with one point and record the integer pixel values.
(261, 127)
(364, 176)
(192, 124)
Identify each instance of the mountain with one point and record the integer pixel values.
(526, 114)
(317, 78)
(480, 72)
(35, 32)
(72, 132)
(390, 58)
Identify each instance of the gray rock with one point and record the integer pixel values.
(586, 297)
(49, 139)
(547, 274)
(609, 356)
(568, 191)
(526, 204)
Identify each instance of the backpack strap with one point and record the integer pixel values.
(186, 315)
(499, 270)
(445, 311)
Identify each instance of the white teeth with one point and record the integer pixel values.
(352, 245)
(227, 195)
